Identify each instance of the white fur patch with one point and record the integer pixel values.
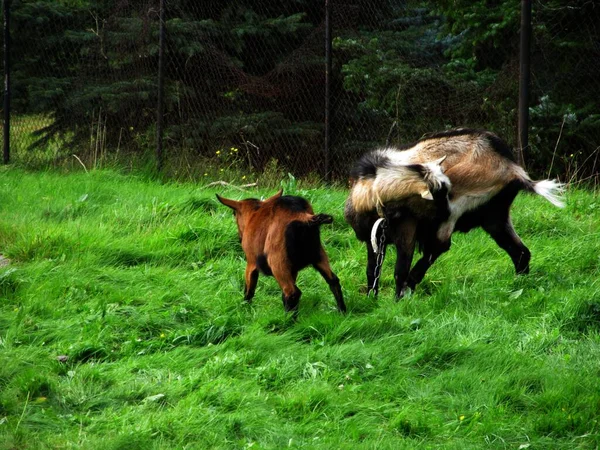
(551, 190)
(458, 207)
(437, 175)
(399, 158)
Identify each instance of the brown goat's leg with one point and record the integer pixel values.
(251, 279)
(290, 292)
(507, 239)
(291, 301)
(332, 280)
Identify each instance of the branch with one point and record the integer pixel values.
(243, 187)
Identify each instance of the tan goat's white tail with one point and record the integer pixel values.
(551, 190)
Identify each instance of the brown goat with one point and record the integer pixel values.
(280, 236)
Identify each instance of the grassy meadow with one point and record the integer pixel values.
(122, 326)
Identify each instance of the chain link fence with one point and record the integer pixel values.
(245, 83)
(565, 112)
(84, 79)
(393, 84)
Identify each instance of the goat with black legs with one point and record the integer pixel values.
(475, 186)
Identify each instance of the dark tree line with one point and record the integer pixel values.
(250, 74)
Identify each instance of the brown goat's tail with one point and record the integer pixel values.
(321, 219)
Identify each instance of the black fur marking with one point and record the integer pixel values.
(501, 147)
(292, 203)
(496, 209)
(263, 265)
(290, 303)
(419, 168)
(303, 244)
(250, 288)
(367, 165)
(442, 203)
(320, 219)
(362, 224)
(453, 133)
(256, 203)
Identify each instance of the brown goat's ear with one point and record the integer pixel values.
(233, 204)
(279, 194)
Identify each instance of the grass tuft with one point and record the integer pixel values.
(123, 326)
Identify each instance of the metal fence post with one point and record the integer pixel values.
(161, 87)
(327, 174)
(6, 128)
(524, 75)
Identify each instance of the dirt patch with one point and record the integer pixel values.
(4, 261)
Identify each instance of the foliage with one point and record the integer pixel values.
(86, 86)
(566, 120)
(568, 127)
(408, 69)
(99, 77)
(563, 116)
(250, 74)
(488, 32)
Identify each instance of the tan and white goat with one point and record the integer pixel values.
(481, 180)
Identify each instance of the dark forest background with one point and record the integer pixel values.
(249, 75)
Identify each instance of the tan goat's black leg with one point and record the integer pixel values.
(432, 252)
(404, 238)
(507, 239)
(498, 225)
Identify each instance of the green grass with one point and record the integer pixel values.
(139, 284)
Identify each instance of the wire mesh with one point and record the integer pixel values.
(394, 85)
(565, 115)
(250, 75)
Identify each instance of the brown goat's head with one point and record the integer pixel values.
(243, 209)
